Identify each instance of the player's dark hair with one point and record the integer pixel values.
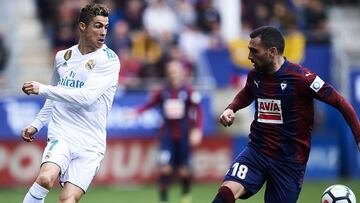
(88, 12)
(270, 37)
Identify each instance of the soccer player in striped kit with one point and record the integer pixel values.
(280, 135)
(76, 107)
(182, 128)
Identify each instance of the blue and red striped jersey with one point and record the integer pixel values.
(284, 110)
(180, 108)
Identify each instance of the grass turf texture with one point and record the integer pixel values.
(202, 193)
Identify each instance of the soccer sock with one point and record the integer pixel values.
(185, 189)
(185, 185)
(224, 195)
(36, 194)
(164, 187)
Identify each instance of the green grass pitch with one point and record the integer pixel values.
(201, 193)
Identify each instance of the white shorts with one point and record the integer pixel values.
(78, 166)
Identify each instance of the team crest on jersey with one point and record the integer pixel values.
(90, 64)
(269, 111)
(67, 55)
(47, 156)
(283, 85)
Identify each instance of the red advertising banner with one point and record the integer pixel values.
(127, 161)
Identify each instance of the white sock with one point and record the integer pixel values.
(36, 194)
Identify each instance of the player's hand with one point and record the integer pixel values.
(358, 144)
(227, 117)
(31, 87)
(195, 137)
(28, 133)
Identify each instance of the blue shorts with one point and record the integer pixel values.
(252, 169)
(174, 153)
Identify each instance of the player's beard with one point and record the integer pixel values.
(265, 67)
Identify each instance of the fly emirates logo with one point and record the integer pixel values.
(69, 81)
(269, 111)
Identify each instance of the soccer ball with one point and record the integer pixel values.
(338, 194)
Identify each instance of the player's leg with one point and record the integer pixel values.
(53, 160)
(77, 178)
(228, 192)
(165, 160)
(182, 161)
(70, 193)
(284, 182)
(165, 178)
(185, 182)
(49, 172)
(245, 177)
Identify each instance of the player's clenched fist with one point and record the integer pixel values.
(31, 87)
(28, 133)
(227, 117)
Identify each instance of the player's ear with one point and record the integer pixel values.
(273, 51)
(82, 26)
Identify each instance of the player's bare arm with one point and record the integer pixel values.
(227, 117)
(28, 133)
(31, 87)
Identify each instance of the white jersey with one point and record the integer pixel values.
(80, 97)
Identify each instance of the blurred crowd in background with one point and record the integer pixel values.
(146, 34)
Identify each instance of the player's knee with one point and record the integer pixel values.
(236, 188)
(166, 170)
(45, 180)
(184, 172)
(69, 198)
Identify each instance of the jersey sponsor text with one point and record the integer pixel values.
(269, 111)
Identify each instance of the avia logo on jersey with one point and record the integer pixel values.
(269, 111)
(69, 81)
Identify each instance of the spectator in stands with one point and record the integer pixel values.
(262, 15)
(181, 130)
(129, 76)
(148, 51)
(133, 14)
(315, 23)
(120, 36)
(45, 12)
(193, 42)
(159, 19)
(208, 18)
(295, 40)
(4, 55)
(121, 43)
(185, 12)
(65, 24)
(175, 53)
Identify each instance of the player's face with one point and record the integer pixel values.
(96, 31)
(175, 74)
(260, 56)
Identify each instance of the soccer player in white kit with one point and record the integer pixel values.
(76, 109)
